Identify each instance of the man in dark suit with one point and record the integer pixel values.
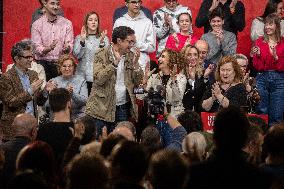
(25, 130)
(19, 88)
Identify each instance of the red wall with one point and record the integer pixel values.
(17, 17)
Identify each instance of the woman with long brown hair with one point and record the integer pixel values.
(86, 44)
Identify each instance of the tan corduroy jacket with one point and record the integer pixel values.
(101, 103)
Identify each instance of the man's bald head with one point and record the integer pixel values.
(24, 124)
(203, 49)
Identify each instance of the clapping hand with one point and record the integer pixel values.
(70, 88)
(216, 91)
(35, 86)
(50, 85)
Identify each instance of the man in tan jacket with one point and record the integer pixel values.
(116, 73)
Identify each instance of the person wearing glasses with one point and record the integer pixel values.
(20, 88)
(165, 21)
(143, 27)
(119, 12)
(116, 73)
(75, 84)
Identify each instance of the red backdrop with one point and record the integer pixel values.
(17, 18)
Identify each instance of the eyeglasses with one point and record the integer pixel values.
(170, 1)
(135, 2)
(27, 57)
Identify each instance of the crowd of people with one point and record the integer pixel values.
(93, 112)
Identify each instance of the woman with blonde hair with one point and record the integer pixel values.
(197, 78)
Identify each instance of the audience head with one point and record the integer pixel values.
(25, 125)
(59, 100)
(194, 146)
(28, 179)
(169, 58)
(230, 130)
(216, 20)
(124, 38)
(67, 65)
(37, 156)
(228, 71)
(190, 120)
(129, 162)
(272, 27)
(22, 54)
(258, 122)
(109, 143)
(88, 172)
(126, 129)
(184, 22)
(168, 169)
(90, 130)
(92, 23)
(151, 139)
(91, 148)
(273, 144)
(243, 62)
(203, 49)
(171, 4)
(253, 144)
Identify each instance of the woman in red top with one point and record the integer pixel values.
(268, 60)
(177, 41)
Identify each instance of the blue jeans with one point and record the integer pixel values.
(270, 85)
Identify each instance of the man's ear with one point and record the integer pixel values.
(126, 4)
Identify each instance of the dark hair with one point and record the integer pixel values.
(86, 21)
(88, 172)
(58, 99)
(129, 162)
(39, 157)
(19, 47)
(274, 140)
(168, 169)
(190, 120)
(90, 130)
(270, 8)
(109, 143)
(186, 13)
(217, 12)
(27, 179)
(121, 32)
(151, 139)
(230, 129)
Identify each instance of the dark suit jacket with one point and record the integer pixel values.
(14, 99)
